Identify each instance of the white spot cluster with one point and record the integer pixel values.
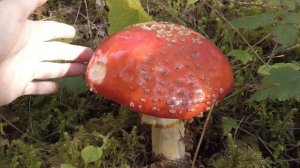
(170, 32)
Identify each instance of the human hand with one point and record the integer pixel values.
(26, 52)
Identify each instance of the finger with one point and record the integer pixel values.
(40, 87)
(62, 51)
(49, 30)
(48, 70)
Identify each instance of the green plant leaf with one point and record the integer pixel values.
(66, 166)
(73, 84)
(293, 18)
(241, 55)
(123, 13)
(228, 124)
(91, 154)
(265, 70)
(291, 4)
(189, 2)
(275, 2)
(253, 22)
(283, 83)
(285, 34)
(124, 112)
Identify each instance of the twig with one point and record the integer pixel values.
(53, 133)
(202, 135)
(88, 20)
(148, 10)
(288, 160)
(30, 116)
(290, 48)
(263, 142)
(266, 145)
(12, 125)
(261, 40)
(272, 53)
(238, 32)
(78, 12)
(246, 3)
(236, 130)
(233, 94)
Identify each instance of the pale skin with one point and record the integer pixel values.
(26, 52)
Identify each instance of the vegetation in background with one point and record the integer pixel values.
(257, 125)
(239, 155)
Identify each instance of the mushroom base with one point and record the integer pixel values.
(169, 142)
(170, 164)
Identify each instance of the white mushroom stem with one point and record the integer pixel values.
(169, 141)
(167, 137)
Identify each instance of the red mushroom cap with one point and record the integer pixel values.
(160, 69)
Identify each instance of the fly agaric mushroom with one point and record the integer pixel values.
(166, 72)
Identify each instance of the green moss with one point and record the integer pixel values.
(21, 155)
(49, 131)
(239, 155)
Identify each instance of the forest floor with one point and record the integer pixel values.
(254, 126)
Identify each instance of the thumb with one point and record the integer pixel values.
(27, 6)
(18, 9)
